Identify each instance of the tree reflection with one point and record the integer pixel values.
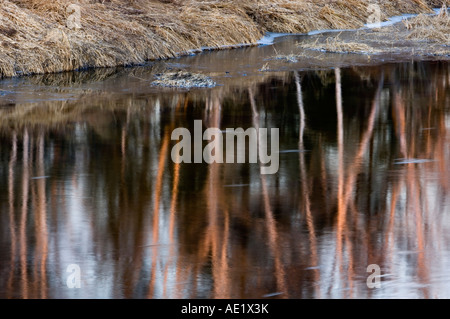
(364, 179)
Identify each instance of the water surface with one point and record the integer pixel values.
(86, 178)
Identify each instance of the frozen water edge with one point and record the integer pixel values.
(270, 37)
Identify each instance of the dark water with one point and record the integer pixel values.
(86, 178)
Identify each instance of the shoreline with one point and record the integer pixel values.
(38, 37)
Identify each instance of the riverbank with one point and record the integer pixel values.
(38, 36)
(421, 37)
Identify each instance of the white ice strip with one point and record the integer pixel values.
(269, 37)
(272, 294)
(412, 161)
(390, 21)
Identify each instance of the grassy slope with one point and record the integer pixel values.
(35, 38)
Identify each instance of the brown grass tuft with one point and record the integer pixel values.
(183, 79)
(338, 45)
(430, 28)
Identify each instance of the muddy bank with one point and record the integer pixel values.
(39, 36)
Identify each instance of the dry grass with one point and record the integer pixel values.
(292, 58)
(436, 3)
(434, 29)
(35, 37)
(338, 45)
(183, 79)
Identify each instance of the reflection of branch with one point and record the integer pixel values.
(401, 123)
(212, 239)
(23, 223)
(301, 110)
(173, 203)
(414, 193)
(270, 221)
(123, 147)
(172, 216)
(355, 167)
(42, 235)
(389, 236)
(158, 189)
(12, 224)
(225, 278)
(441, 153)
(219, 252)
(213, 195)
(305, 188)
(346, 185)
(341, 213)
